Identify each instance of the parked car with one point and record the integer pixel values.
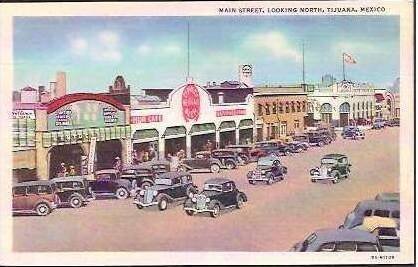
(317, 139)
(379, 123)
(158, 166)
(301, 140)
(333, 167)
(108, 183)
(366, 208)
(393, 122)
(242, 150)
(202, 161)
(274, 147)
(217, 194)
(139, 175)
(256, 153)
(296, 147)
(268, 170)
(73, 191)
(352, 132)
(35, 197)
(329, 132)
(339, 240)
(388, 196)
(385, 229)
(170, 187)
(228, 157)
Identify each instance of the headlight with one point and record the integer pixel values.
(207, 200)
(329, 169)
(191, 195)
(155, 193)
(194, 199)
(142, 192)
(263, 172)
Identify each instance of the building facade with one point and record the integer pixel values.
(187, 120)
(86, 131)
(341, 104)
(280, 111)
(385, 103)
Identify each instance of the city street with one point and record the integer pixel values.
(273, 219)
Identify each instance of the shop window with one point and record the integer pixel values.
(297, 124)
(267, 109)
(293, 108)
(280, 108)
(274, 108)
(287, 108)
(260, 110)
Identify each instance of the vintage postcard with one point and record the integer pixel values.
(207, 133)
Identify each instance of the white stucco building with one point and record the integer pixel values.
(188, 119)
(341, 104)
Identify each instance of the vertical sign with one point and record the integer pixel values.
(128, 151)
(92, 152)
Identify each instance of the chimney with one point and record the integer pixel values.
(220, 97)
(61, 84)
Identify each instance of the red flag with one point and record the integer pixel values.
(349, 58)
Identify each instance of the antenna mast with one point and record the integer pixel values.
(188, 49)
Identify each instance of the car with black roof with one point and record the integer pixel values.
(73, 191)
(268, 170)
(316, 138)
(338, 240)
(107, 182)
(203, 161)
(218, 194)
(243, 151)
(228, 158)
(353, 132)
(140, 175)
(169, 188)
(334, 167)
(274, 146)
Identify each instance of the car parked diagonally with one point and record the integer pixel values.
(73, 191)
(108, 183)
(334, 167)
(35, 197)
(202, 161)
(217, 194)
(169, 187)
(139, 175)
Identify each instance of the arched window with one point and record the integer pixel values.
(345, 108)
(293, 107)
(326, 108)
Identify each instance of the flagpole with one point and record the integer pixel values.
(303, 62)
(343, 68)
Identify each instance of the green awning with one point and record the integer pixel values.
(143, 134)
(246, 123)
(177, 130)
(203, 127)
(227, 125)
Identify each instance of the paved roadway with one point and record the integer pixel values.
(274, 219)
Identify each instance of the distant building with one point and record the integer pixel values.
(228, 92)
(327, 80)
(385, 104)
(60, 84)
(120, 91)
(16, 96)
(29, 95)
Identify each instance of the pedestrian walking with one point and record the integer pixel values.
(117, 164)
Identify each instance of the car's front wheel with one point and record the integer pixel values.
(229, 165)
(139, 206)
(163, 204)
(42, 209)
(216, 211)
(122, 193)
(336, 178)
(240, 202)
(76, 202)
(214, 168)
(190, 212)
(270, 180)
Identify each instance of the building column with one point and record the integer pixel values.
(42, 163)
(217, 138)
(126, 153)
(237, 136)
(188, 145)
(161, 147)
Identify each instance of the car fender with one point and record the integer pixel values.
(124, 183)
(47, 202)
(244, 196)
(216, 161)
(161, 195)
(212, 203)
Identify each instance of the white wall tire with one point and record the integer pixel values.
(122, 193)
(42, 209)
(214, 168)
(163, 204)
(216, 211)
(76, 202)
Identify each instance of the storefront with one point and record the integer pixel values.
(84, 132)
(189, 121)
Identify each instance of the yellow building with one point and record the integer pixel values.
(280, 111)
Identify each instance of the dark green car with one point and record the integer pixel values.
(333, 167)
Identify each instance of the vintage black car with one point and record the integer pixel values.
(169, 187)
(268, 170)
(393, 122)
(139, 175)
(352, 132)
(228, 157)
(317, 138)
(276, 147)
(108, 183)
(244, 151)
(296, 147)
(158, 166)
(217, 194)
(333, 167)
(202, 161)
(73, 191)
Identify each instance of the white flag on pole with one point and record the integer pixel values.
(349, 59)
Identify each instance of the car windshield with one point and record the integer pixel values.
(265, 162)
(162, 181)
(327, 161)
(213, 187)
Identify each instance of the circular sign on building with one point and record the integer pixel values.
(191, 103)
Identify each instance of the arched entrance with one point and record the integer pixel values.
(326, 113)
(227, 134)
(344, 114)
(106, 152)
(70, 155)
(175, 140)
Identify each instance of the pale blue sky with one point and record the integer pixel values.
(152, 51)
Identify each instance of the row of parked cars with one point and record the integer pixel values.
(380, 123)
(372, 226)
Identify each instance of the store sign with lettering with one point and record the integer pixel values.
(23, 114)
(230, 112)
(147, 119)
(85, 114)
